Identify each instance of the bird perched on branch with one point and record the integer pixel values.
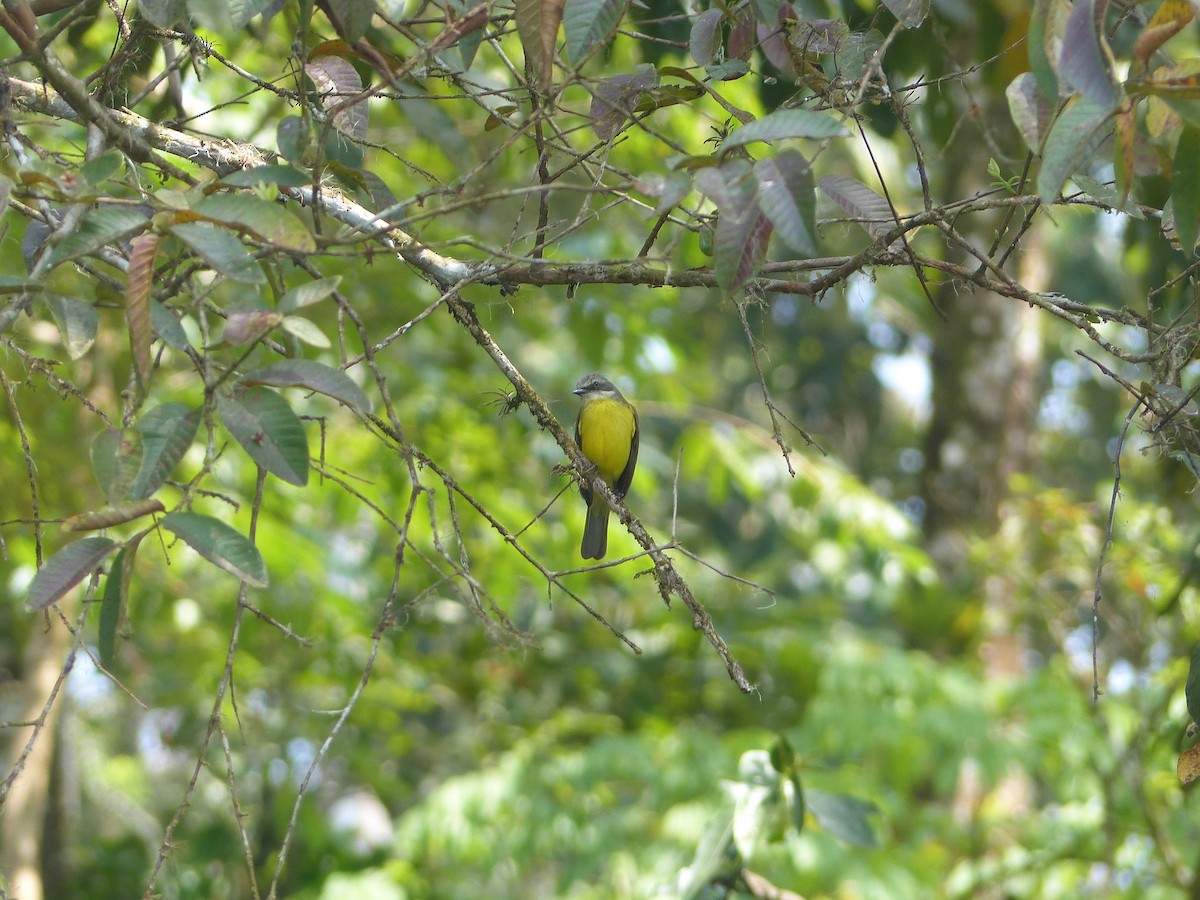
(607, 433)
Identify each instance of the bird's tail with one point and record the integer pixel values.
(595, 530)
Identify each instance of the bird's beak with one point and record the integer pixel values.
(579, 392)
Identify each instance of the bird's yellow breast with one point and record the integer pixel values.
(606, 432)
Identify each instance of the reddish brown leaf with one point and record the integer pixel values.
(137, 302)
(537, 26)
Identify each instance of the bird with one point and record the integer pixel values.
(607, 433)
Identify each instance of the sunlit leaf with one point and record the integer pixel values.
(220, 544)
(264, 424)
(67, 568)
(315, 376)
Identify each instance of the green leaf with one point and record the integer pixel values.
(1191, 691)
(909, 13)
(308, 293)
(781, 755)
(221, 250)
(98, 228)
(588, 23)
(1185, 188)
(77, 323)
(799, 804)
(787, 197)
(167, 433)
(166, 325)
(220, 544)
(242, 11)
(263, 219)
(730, 70)
(315, 376)
(293, 138)
(843, 816)
(1045, 24)
(786, 124)
(262, 422)
(342, 150)
(103, 167)
(1073, 138)
(116, 458)
(114, 603)
(306, 331)
(67, 568)
(284, 176)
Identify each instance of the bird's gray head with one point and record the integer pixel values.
(595, 385)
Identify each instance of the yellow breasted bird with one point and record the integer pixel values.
(607, 433)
